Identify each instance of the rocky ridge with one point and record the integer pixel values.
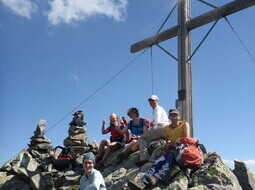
(33, 168)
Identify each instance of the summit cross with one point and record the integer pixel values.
(183, 31)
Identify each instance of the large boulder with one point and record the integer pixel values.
(25, 171)
(215, 172)
(245, 177)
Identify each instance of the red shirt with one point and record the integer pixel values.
(114, 131)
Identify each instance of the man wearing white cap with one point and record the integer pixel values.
(156, 131)
(159, 114)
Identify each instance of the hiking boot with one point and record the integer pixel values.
(136, 185)
(152, 179)
(141, 163)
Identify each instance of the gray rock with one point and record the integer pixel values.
(80, 136)
(199, 187)
(69, 142)
(37, 182)
(40, 130)
(23, 165)
(74, 130)
(245, 177)
(156, 144)
(44, 146)
(81, 149)
(94, 145)
(12, 182)
(179, 182)
(36, 140)
(215, 172)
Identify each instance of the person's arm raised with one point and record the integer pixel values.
(103, 130)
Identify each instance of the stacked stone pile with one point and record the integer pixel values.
(77, 136)
(40, 146)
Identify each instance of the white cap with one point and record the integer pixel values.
(153, 97)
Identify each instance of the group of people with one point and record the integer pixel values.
(141, 136)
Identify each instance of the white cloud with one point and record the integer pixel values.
(23, 8)
(69, 11)
(75, 77)
(248, 163)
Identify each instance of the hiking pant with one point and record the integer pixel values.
(155, 133)
(162, 166)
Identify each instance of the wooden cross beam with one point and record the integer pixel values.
(182, 30)
(194, 23)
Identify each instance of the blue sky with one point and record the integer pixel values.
(55, 55)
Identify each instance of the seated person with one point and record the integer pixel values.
(116, 141)
(156, 130)
(92, 178)
(177, 129)
(137, 127)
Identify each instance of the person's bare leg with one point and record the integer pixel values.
(135, 146)
(108, 151)
(102, 149)
(129, 146)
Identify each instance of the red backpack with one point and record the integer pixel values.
(147, 121)
(188, 153)
(66, 157)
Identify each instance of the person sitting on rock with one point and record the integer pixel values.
(156, 130)
(92, 178)
(177, 129)
(117, 140)
(137, 127)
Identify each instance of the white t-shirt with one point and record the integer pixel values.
(160, 116)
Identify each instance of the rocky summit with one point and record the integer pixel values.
(37, 167)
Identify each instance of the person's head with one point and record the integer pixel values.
(113, 118)
(174, 115)
(133, 112)
(153, 100)
(88, 162)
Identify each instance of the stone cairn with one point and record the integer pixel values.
(40, 146)
(77, 136)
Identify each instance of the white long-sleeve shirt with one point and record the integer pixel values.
(159, 116)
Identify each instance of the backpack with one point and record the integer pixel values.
(188, 153)
(65, 159)
(147, 121)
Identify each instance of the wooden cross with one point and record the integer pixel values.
(182, 30)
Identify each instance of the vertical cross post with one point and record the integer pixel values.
(184, 102)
